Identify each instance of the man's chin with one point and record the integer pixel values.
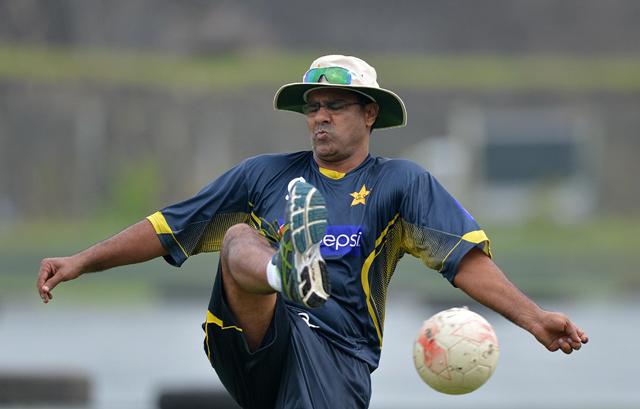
(326, 155)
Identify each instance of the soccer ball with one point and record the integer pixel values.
(456, 351)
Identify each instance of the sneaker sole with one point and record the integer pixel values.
(308, 211)
(314, 280)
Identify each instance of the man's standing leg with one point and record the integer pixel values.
(246, 331)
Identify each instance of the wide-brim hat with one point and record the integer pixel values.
(363, 79)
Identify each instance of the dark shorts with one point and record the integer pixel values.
(296, 367)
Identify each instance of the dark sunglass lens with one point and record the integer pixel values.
(310, 108)
(336, 105)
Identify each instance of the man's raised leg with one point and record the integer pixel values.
(250, 265)
(244, 256)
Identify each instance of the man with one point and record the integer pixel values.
(301, 326)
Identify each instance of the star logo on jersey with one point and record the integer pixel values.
(360, 197)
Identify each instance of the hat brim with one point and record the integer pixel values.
(392, 114)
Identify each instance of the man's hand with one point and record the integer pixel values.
(479, 277)
(135, 244)
(55, 270)
(555, 331)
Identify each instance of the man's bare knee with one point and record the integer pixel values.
(236, 237)
(244, 255)
(237, 232)
(231, 243)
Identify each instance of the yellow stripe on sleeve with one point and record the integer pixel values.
(477, 237)
(161, 226)
(159, 223)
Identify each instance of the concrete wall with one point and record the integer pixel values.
(433, 26)
(63, 148)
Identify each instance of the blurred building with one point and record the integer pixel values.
(66, 147)
(522, 164)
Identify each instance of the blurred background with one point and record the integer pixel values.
(528, 111)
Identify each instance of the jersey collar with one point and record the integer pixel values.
(335, 175)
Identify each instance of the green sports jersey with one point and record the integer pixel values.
(378, 212)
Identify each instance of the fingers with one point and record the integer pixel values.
(572, 331)
(554, 346)
(49, 276)
(565, 346)
(55, 270)
(48, 286)
(577, 337)
(574, 339)
(583, 337)
(562, 334)
(52, 282)
(46, 270)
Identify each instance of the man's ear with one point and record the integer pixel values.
(371, 114)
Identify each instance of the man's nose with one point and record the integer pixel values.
(323, 114)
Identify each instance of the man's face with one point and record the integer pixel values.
(338, 134)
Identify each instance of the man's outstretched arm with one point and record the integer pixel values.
(480, 278)
(135, 244)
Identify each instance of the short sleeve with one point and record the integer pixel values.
(198, 224)
(436, 228)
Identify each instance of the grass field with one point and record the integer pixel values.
(273, 68)
(548, 261)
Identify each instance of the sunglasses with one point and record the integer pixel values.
(334, 75)
(331, 106)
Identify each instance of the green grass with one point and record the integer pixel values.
(271, 69)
